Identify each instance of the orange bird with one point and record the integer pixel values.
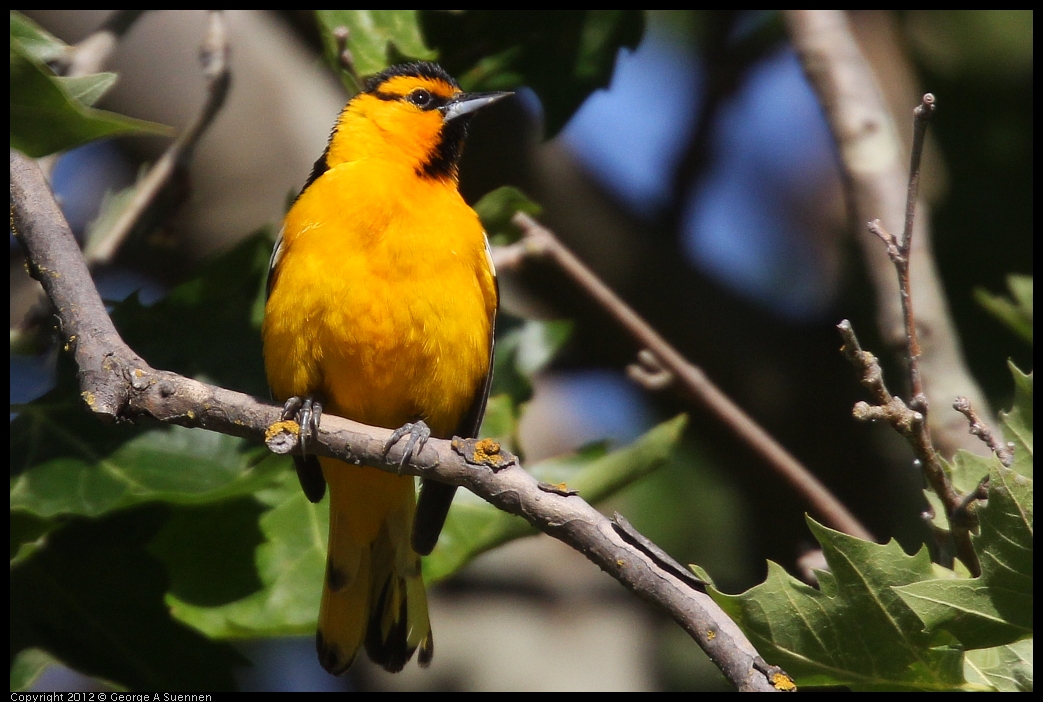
(381, 304)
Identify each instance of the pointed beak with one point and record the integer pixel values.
(467, 103)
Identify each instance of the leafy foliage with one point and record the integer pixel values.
(1014, 312)
(855, 630)
(376, 39)
(51, 114)
(92, 598)
(563, 55)
(883, 620)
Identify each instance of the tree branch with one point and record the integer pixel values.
(214, 55)
(117, 384)
(659, 357)
(877, 187)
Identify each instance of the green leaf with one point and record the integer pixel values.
(209, 550)
(46, 118)
(206, 328)
(93, 599)
(87, 90)
(524, 347)
(996, 607)
(1017, 424)
(474, 527)
(376, 39)
(965, 471)
(64, 461)
(28, 533)
(1005, 668)
(496, 209)
(1014, 312)
(856, 630)
(289, 564)
(563, 55)
(27, 666)
(35, 40)
(68, 463)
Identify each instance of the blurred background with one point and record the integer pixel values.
(702, 186)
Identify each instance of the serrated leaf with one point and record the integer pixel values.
(1004, 668)
(1017, 424)
(376, 39)
(290, 565)
(474, 527)
(856, 631)
(46, 119)
(1014, 312)
(496, 208)
(996, 607)
(92, 598)
(965, 471)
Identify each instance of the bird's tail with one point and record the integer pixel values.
(373, 593)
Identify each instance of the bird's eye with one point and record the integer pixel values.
(420, 97)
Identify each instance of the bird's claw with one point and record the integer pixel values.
(306, 411)
(418, 433)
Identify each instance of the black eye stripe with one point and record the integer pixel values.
(421, 97)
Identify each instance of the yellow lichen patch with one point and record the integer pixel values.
(783, 682)
(483, 452)
(486, 448)
(286, 425)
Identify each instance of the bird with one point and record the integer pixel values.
(381, 308)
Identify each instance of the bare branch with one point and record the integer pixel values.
(649, 373)
(540, 241)
(1004, 452)
(93, 52)
(117, 384)
(878, 187)
(345, 58)
(213, 54)
(909, 423)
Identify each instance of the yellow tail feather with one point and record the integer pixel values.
(373, 593)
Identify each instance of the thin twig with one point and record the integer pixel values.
(342, 35)
(922, 116)
(92, 53)
(116, 383)
(910, 423)
(978, 428)
(213, 55)
(649, 373)
(876, 184)
(692, 380)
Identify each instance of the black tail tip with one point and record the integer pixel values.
(331, 658)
